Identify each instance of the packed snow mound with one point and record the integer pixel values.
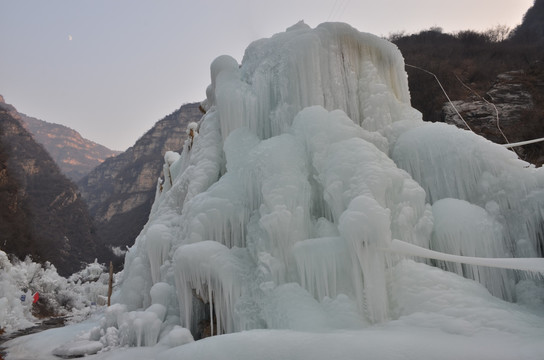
(456, 305)
(309, 164)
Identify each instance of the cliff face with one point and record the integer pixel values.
(45, 216)
(507, 113)
(74, 155)
(120, 191)
(15, 233)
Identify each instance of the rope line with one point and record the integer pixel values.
(489, 103)
(521, 143)
(444, 91)
(508, 144)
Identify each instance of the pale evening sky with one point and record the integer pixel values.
(111, 68)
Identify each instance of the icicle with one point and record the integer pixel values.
(366, 227)
(214, 273)
(478, 236)
(323, 267)
(158, 243)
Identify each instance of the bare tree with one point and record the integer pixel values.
(498, 33)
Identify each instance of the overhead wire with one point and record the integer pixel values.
(508, 144)
(332, 9)
(338, 9)
(445, 93)
(489, 103)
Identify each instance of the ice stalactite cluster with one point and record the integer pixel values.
(499, 199)
(309, 161)
(479, 236)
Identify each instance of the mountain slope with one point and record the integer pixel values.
(15, 234)
(468, 65)
(532, 27)
(45, 216)
(75, 155)
(120, 191)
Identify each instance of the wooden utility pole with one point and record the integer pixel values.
(110, 284)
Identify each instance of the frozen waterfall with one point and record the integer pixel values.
(308, 164)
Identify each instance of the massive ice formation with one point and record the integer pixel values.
(308, 162)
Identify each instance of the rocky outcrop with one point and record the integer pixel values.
(74, 155)
(42, 212)
(121, 190)
(504, 115)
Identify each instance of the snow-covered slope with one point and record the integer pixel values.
(308, 166)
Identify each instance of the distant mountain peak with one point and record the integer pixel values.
(75, 155)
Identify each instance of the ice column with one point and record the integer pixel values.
(366, 227)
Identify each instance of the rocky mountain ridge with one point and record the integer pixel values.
(121, 190)
(75, 155)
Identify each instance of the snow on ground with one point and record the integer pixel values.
(29, 289)
(437, 314)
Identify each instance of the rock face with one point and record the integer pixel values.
(74, 155)
(503, 115)
(120, 191)
(42, 213)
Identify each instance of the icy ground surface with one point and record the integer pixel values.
(440, 315)
(297, 222)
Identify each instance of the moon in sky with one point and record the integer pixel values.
(70, 37)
